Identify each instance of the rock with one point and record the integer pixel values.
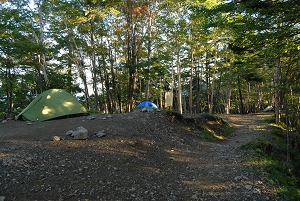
(56, 138)
(81, 134)
(2, 198)
(73, 134)
(100, 134)
(90, 118)
(248, 187)
(69, 133)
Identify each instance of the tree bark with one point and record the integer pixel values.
(9, 91)
(179, 97)
(277, 91)
(199, 76)
(149, 51)
(241, 96)
(228, 98)
(41, 41)
(113, 80)
(94, 66)
(191, 82)
(213, 85)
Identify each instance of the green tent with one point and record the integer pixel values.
(51, 104)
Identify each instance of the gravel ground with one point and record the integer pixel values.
(143, 156)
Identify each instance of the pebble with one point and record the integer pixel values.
(56, 138)
(90, 118)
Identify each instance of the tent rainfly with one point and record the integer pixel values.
(147, 104)
(51, 104)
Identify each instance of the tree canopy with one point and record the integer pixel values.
(214, 56)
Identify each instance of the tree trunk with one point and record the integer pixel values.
(228, 97)
(80, 67)
(172, 84)
(113, 80)
(241, 96)
(130, 92)
(94, 66)
(199, 76)
(213, 86)
(39, 81)
(287, 122)
(131, 56)
(207, 82)
(277, 91)
(191, 82)
(41, 41)
(179, 97)
(149, 52)
(9, 91)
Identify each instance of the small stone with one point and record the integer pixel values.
(56, 138)
(90, 118)
(81, 133)
(194, 197)
(100, 134)
(2, 198)
(69, 133)
(248, 187)
(172, 158)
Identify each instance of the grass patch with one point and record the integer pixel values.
(206, 134)
(207, 126)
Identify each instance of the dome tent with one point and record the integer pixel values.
(147, 104)
(51, 104)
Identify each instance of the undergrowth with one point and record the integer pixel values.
(271, 156)
(209, 127)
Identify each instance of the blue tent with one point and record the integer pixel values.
(147, 104)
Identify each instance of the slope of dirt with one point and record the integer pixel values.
(143, 156)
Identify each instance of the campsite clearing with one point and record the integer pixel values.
(142, 156)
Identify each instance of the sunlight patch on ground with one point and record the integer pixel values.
(206, 185)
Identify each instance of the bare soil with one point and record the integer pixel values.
(143, 156)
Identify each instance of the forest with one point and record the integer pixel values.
(213, 56)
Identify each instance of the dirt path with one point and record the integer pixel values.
(221, 170)
(247, 127)
(143, 156)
